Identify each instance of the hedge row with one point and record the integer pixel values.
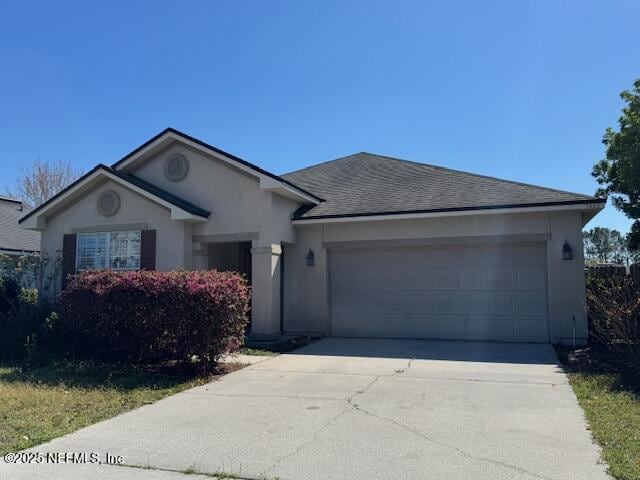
(149, 317)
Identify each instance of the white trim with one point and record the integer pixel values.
(460, 213)
(266, 182)
(38, 220)
(285, 189)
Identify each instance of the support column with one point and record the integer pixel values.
(265, 302)
(199, 256)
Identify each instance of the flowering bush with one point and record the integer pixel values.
(145, 317)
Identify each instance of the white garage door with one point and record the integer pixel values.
(479, 292)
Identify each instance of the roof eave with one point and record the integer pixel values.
(591, 207)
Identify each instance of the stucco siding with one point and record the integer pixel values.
(566, 279)
(307, 298)
(234, 198)
(136, 212)
(306, 302)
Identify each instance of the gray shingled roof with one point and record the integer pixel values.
(161, 193)
(12, 236)
(369, 184)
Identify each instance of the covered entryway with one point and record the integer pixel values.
(470, 292)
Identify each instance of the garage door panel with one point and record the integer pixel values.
(501, 304)
(475, 304)
(500, 256)
(443, 278)
(530, 255)
(380, 281)
(501, 278)
(443, 325)
(442, 257)
(386, 304)
(502, 327)
(531, 304)
(445, 304)
(473, 278)
(529, 328)
(530, 279)
(476, 292)
(471, 256)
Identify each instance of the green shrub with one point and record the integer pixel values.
(9, 294)
(150, 317)
(22, 320)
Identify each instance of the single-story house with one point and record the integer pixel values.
(364, 246)
(16, 241)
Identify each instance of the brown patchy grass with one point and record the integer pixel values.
(39, 404)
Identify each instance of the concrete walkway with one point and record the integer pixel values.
(355, 409)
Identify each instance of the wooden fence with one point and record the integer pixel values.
(612, 270)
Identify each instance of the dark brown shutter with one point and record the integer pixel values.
(68, 257)
(148, 250)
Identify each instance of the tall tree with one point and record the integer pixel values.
(603, 245)
(619, 173)
(632, 255)
(42, 180)
(599, 244)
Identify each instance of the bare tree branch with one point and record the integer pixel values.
(42, 180)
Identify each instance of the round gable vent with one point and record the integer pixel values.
(108, 203)
(176, 167)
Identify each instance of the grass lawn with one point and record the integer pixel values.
(39, 404)
(608, 389)
(259, 352)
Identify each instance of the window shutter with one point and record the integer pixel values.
(148, 250)
(68, 257)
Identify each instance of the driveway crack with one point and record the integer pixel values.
(446, 445)
(314, 438)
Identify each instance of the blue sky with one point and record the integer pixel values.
(519, 90)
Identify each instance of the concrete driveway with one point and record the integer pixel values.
(355, 409)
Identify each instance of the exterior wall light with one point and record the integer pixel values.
(567, 252)
(310, 258)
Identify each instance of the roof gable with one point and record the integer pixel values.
(366, 184)
(268, 180)
(180, 209)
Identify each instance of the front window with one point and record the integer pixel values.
(115, 250)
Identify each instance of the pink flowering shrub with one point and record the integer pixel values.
(145, 317)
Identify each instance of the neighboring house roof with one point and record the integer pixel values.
(12, 237)
(158, 193)
(366, 184)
